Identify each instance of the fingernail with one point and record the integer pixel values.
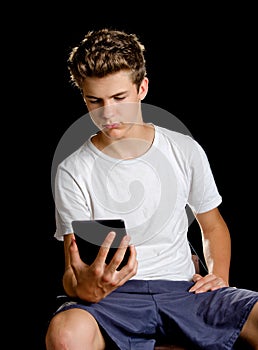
(127, 239)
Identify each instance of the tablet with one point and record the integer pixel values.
(90, 235)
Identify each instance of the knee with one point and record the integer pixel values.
(250, 329)
(73, 329)
(58, 336)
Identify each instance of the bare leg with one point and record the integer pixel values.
(249, 332)
(74, 329)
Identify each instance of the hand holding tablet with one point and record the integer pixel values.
(90, 235)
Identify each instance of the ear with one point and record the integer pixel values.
(143, 90)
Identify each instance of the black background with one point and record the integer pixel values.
(201, 66)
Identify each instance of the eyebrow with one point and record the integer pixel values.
(117, 94)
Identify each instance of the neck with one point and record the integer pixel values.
(133, 145)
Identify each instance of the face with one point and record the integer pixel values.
(114, 103)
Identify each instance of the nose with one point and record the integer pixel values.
(108, 110)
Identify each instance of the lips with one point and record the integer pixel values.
(111, 126)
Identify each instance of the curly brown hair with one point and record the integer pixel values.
(104, 52)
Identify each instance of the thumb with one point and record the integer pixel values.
(75, 258)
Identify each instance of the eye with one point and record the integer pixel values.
(119, 98)
(95, 101)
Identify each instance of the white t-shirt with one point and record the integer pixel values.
(150, 193)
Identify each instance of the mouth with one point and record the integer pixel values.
(111, 126)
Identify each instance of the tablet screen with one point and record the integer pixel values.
(90, 234)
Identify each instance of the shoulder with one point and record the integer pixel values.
(183, 146)
(172, 134)
(79, 157)
(184, 142)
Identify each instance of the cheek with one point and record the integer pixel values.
(96, 116)
(128, 111)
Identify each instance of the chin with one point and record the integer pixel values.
(114, 134)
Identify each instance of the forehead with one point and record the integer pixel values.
(109, 85)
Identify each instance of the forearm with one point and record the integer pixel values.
(216, 243)
(217, 252)
(69, 279)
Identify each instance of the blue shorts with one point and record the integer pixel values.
(141, 314)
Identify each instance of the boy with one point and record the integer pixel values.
(146, 175)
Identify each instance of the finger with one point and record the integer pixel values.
(209, 282)
(119, 254)
(201, 283)
(104, 248)
(130, 269)
(125, 242)
(196, 277)
(133, 254)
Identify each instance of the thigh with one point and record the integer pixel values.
(124, 317)
(219, 315)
